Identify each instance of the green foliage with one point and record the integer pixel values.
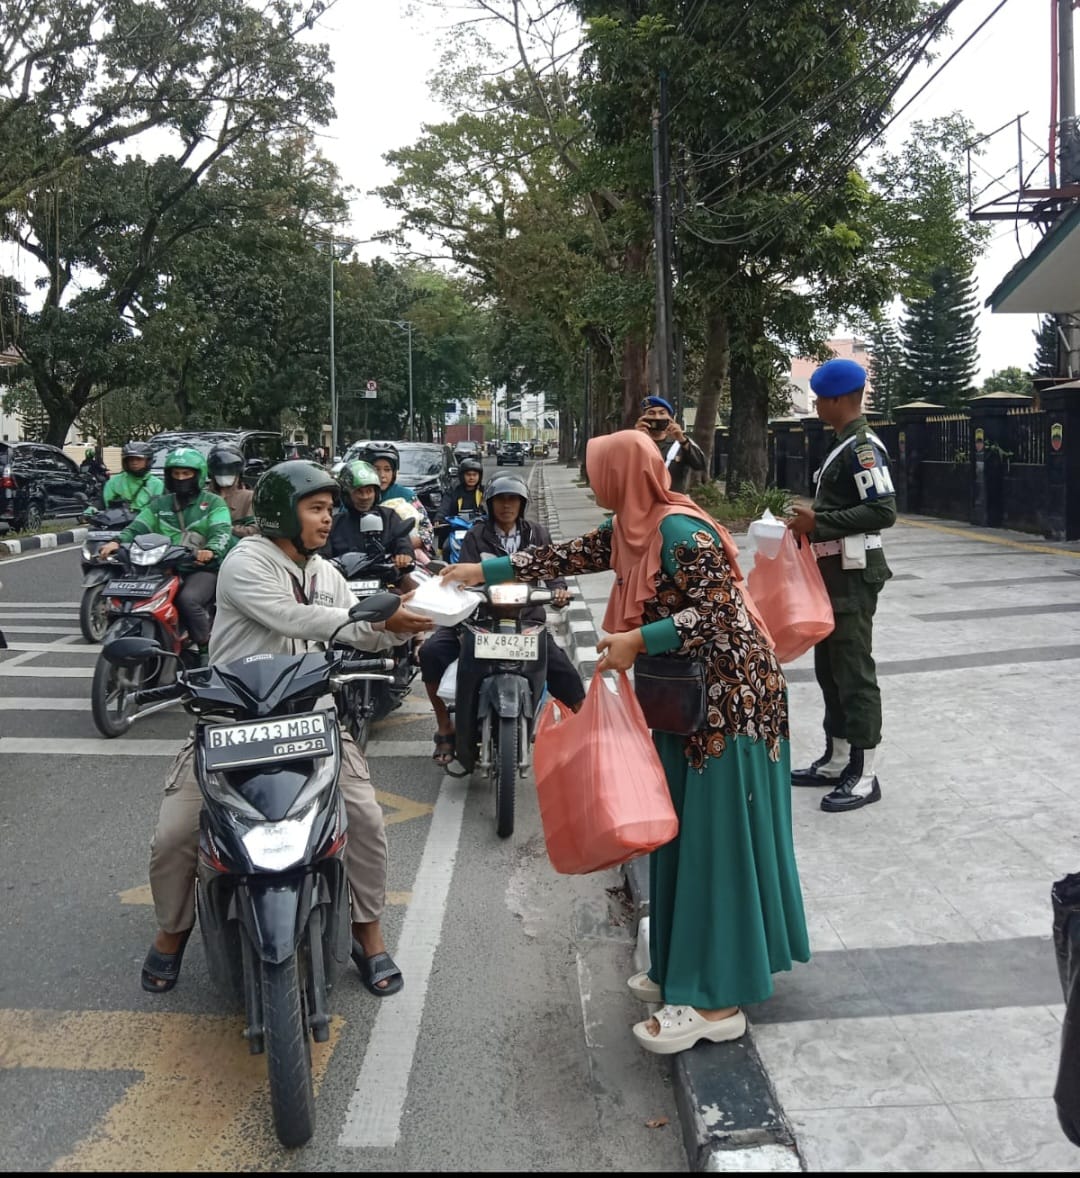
(1045, 362)
(1009, 380)
(886, 366)
(941, 340)
(747, 504)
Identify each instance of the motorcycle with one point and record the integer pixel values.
(459, 526)
(372, 697)
(140, 600)
(501, 676)
(271, 888)
(105, 524)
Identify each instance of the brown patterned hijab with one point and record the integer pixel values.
(629, 477)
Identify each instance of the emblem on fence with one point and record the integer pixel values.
(980, 439)
(1056, 432)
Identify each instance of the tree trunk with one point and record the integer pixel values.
(635, 378)
(748, 460)
(714, 373)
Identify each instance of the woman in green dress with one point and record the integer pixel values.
(725, 903)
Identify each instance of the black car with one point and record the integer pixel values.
(261, 448)
(510, 453)
(427, 467)
(39, 482)
(467, 449)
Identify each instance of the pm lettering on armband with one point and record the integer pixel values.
(875, 482)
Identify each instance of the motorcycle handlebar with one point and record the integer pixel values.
(156, 695)
(351, 666)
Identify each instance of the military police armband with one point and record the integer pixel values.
(870, 469)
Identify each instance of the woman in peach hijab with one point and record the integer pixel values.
(725, 903)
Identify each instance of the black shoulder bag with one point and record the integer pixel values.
(671, 692)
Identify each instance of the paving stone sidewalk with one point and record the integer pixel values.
(924, 1033)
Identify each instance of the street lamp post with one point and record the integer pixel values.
(405, 325)
(332, 243)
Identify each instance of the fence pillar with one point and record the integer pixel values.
(815, 449)
(989, 436)
(1061, 404)
(720, 453)
(912, 442)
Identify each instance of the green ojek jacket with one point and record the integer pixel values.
(205, 521)
(135, 490)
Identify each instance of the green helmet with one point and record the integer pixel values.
(186, 456)
(357, 474)
(280, 489)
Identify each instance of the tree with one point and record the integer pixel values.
(886, 366)
(233, 74)
(1008, 380)
(941, 340)
(1046, 348)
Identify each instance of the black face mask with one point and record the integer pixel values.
(185, 489)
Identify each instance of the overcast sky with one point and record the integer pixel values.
(384, 54)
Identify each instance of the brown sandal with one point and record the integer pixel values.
(445, 748)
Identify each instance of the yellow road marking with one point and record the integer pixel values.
(1002, 541)
(404, 809)
(398, 897)
(200, 1104)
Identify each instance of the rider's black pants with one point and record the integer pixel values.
(196, 593)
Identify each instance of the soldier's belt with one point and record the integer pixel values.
(833, 547)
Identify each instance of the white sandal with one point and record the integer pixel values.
(681, 1027)
(644, 988)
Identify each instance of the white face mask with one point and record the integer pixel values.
(225, 480)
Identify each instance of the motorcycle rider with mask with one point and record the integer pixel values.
(278, 596)
(187, 513)
(226, 465)
(134, 486)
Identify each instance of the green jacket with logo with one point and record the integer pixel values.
(855, 493)
(134, 490)
(205, 521)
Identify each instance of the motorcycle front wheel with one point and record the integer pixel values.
(504, 759)
(112, 696)
(93, 614)
(288, 1053)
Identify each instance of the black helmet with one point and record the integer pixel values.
(467, 464)
(137, 450)
(225, 460)
(281, 488)
(372, 452)
(507, 484)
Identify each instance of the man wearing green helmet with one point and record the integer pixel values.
(359, 483)
(276, 595)
(189, 514)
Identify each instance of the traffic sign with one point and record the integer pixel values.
(372, 390)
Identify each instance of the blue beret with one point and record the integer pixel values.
(657, 403)
(836, 378)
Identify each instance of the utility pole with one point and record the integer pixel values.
(1069, 159)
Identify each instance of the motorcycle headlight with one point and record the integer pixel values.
(274, 846)
(147, 556)
(511, 593)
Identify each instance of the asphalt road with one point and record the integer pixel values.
(509, 1048)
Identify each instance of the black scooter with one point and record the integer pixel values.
(374, 696)
(272, 893)
(502, 670)
(105, 524)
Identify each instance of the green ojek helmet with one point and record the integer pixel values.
(281, 488)
(186, 456)
(357, 474)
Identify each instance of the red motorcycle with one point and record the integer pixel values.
(140, 602)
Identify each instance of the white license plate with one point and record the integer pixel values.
(259, 741)
(516, 647)
(364, 587)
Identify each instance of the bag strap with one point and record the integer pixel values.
(837, 450)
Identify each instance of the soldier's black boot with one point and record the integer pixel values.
(857, 786)
(827, 769)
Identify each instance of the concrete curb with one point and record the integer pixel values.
(44, 540)
(730, 1116)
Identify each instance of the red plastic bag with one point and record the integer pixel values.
(603, 795)
(792, 597)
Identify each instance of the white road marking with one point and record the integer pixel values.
(42, 629)
(62, 645)
(39, 605)
(399, 748)
(27, 616)
(41, 703)
(373, 1118)
(12, 669)
(74, 747)
(6, 560)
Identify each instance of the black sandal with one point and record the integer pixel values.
(160, 971)
(445, 748)
(380, 967)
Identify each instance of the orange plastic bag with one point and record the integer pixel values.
(792, 597)
(603, 795)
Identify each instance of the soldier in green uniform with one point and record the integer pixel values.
(854, 501)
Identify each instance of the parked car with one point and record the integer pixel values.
(510, 454)
(467, 449)
(261, 448)
(302, 450)
(428, 467)
(39, 482)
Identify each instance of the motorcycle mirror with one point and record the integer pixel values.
(129, 652)
(376, 608)
(371, 523)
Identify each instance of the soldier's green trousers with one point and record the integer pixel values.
(844, 665)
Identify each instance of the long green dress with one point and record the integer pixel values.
(725, 903)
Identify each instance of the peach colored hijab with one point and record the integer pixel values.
(629, 477)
